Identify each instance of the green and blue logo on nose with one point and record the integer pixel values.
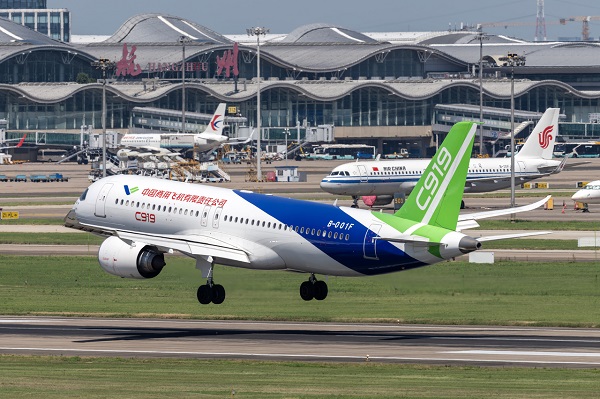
(130, 190)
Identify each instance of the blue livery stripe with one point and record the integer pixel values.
(292, 212)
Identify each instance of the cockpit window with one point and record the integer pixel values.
(82, 198)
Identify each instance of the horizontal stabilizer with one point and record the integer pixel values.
(465, 221)
(513, 235)
(414, 240)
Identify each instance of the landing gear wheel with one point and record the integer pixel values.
(354, 201)
(320, 289)
(204, 294)
(307, 291)
(462, 204)
(218, 294)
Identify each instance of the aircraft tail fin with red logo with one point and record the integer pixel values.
(215, 126)
(540, 144)
(22, 141)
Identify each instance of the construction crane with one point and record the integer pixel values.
(585, 20)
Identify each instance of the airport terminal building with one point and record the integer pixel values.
(392, 90)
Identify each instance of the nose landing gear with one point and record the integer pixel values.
(313, 289)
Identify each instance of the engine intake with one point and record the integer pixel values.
(123, 260)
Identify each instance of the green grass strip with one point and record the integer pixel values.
(50, 238)
(506, 293)
(75, 377)
(542, 225)
(35, 221)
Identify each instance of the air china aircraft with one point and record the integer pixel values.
(385, 178)
(19, 144)
(590, 194)
(208, 140)
(144, 218)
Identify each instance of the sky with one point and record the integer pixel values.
(104, 17)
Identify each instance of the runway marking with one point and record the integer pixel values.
(360, 327)
(510, 339)
(527, 353)
(302, 356)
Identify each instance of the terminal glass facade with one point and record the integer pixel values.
(55, 23)
(6, 4)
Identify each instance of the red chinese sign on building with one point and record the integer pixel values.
(229, 62)
(127, 66)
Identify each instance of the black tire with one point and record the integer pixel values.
(321, 290)
(218, 294)
(204, 294)
(307, 291)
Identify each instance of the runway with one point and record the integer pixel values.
(426, 344)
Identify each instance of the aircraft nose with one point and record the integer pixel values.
(579, 196)
(330, 186)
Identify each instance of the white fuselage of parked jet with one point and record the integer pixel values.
(590, 194)
(210, 139)
(388, 177)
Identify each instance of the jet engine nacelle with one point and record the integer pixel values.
(379, 200)
(123, 260)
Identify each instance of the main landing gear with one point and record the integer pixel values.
(211, 292)
(313, 289)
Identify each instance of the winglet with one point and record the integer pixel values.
(436, 198)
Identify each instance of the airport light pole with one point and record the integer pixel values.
(481, 37)
(513, 60)
(285, 153)
(183, 40)
(257, 31)
(104, 64)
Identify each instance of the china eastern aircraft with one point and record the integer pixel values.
(590, 194)
(385, 178)
(144, 218)
(208, 140)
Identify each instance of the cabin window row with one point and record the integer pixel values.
(159, 208)
(277, 226)
(298, 229)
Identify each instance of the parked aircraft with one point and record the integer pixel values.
(208, 140)
(385, 178)
(144, 218)
(19, 144)
(590, 194)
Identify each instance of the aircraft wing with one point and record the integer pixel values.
(473, 182)
(240, 141)
(468, 221)
(191, 245)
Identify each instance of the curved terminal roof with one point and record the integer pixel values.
(160, 28)
(324, 33)
(12, 33)
(319, 90)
